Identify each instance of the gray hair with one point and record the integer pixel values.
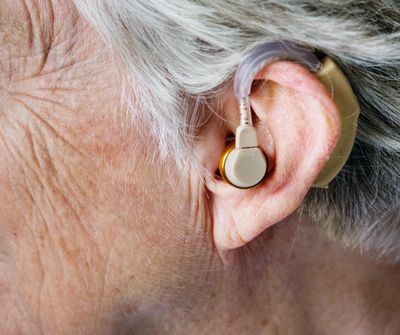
(176, 53)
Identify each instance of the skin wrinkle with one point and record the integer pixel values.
(39, 38)
(29, 31)
(26, 225)
(42, 279)
(10, 30)
(44, 100)
(37, 150)
(33, 164)
(4, 70)
(29, 163)
(44, 35)
(47, 125)
(48, 43)
(6, 296)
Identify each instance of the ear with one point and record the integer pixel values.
(298, 126)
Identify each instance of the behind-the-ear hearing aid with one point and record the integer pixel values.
(244, 164)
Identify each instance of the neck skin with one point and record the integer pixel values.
(294, 281)
(291, 280)
(82, 253)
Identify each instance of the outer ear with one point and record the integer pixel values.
(298, 126)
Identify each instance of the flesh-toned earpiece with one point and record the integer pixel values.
(244, 164)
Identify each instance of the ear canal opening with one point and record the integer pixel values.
(230, 138)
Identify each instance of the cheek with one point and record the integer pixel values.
(159, 210)
(98, 232)
(162, 248)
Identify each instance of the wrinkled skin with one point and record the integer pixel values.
(95, 240)
(78, 192)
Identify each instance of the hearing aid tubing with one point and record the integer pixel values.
(246, 138)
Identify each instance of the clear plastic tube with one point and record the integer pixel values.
(268, 53)
(262, 55)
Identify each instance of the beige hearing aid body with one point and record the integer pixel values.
(244, 165)
(336, 83)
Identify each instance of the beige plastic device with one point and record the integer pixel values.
(244, 164)
(335, 82)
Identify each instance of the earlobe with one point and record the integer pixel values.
(297, 114)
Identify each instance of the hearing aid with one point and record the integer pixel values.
(243, 164)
